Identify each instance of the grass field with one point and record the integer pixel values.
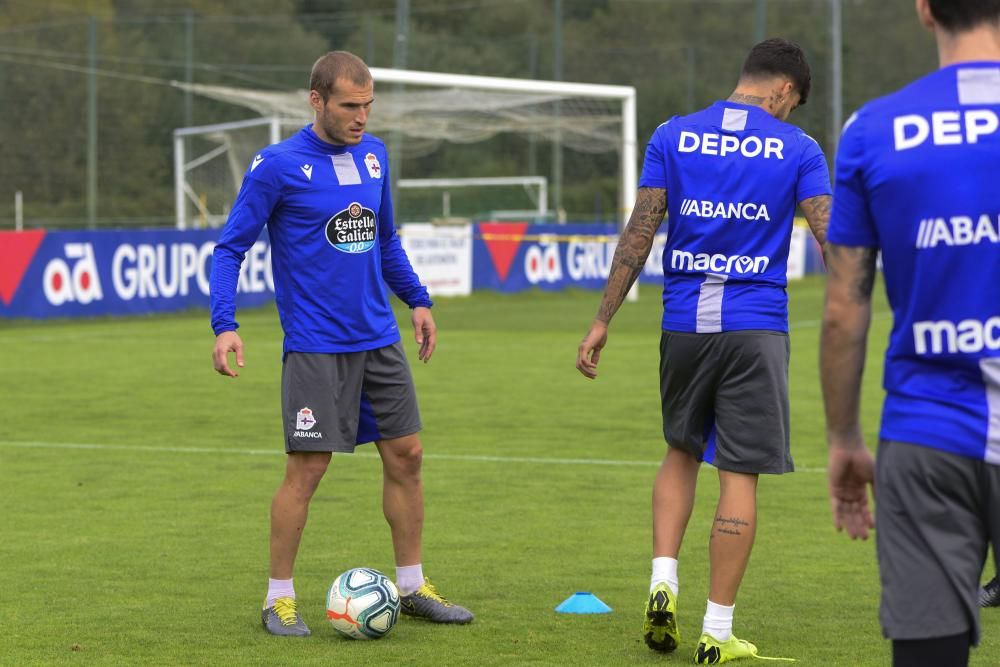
(135, 484)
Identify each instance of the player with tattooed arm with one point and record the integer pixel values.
(730, 177)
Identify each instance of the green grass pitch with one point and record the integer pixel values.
(135, 485)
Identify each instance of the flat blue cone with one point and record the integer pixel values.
(583, 603)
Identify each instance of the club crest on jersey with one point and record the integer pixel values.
(374, 168)
(352, 230)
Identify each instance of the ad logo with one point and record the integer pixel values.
(79, 283)
(542, 262)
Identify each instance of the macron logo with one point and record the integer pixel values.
(682, 260)
(256, 161)
(967, 336)
(307, 169)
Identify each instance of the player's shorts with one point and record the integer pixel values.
(334, 402)
(725, 398)
(935, 514)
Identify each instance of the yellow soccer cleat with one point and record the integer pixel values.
(711, 651)
(659, 628)
(283, 619)
(428, 604)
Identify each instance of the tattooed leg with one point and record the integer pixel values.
(732, 535)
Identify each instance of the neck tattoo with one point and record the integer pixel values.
(745, 99)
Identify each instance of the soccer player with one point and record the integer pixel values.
(730, 177)
(918, 179)
(325, 198)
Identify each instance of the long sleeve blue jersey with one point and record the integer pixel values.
(329, 217)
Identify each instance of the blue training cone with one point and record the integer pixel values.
(583, 603)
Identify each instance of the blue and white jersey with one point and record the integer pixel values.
(328, 212)
(733, 175)
(918, 176)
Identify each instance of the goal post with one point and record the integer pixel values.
(219, 143)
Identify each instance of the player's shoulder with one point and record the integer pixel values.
(804, 144)
(269, 159)
(926, 92)
(664, 128)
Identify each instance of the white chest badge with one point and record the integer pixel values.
(374, 168)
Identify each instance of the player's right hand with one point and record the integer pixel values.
(589, 352)
(226, 342)
(850, 473)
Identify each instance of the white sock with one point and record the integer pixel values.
(279, 588)
(409, 578)
(718, 621)
(664, 571)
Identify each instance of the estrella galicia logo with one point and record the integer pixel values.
(352, 230)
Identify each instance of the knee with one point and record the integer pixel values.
(305, 474)
(405, 462)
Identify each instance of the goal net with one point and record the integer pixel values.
(578, 138)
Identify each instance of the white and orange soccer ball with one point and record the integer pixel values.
(362, 604)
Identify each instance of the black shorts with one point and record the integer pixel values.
(333, 402)
(935, 514)
(725, 398)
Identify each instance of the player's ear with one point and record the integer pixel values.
(925, 15)
(315, 100)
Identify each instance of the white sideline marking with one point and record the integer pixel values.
(106, 334)
(275, 452)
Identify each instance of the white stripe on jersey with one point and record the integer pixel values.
(979, 86)
(734, 120)
(709, 317)
(991, 378)
(346, 169)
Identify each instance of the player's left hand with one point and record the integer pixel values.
(425, 332)
(850, 472)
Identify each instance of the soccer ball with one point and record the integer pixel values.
(362, 604)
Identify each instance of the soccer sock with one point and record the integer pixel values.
(952, 651)
(409, 578)
(279, 588)
(718, 621)
(664, 571)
